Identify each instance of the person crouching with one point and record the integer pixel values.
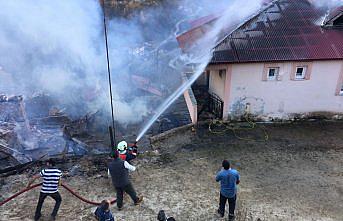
(103, 212)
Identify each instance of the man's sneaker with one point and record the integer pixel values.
(120, 208)
(139, 200)
(37, 218)
(231, 217)
(220, 214)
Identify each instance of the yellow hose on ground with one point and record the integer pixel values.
(227, 127)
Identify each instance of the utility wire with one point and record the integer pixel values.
(109, 75)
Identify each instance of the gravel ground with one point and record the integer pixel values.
(295, 175)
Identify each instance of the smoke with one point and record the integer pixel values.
(57, 48)
(327, 3)
(199, 55)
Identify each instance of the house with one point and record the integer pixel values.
(285, 62)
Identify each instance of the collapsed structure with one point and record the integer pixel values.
(284, 62)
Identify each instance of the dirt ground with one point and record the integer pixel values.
(297, 174)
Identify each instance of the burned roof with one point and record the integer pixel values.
(334, 17)
(287, 30)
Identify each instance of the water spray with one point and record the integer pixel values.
(175, 95)
(203, 48)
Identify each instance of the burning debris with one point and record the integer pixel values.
(27, 136)
(34, 127)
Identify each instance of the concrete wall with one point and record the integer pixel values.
(217, 83)
(191, 105)
(191, 102)
(247, 89)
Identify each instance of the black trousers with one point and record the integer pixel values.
(56, 196)
(129, 190)
(232, 205)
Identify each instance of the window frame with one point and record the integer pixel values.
(276, 73)
(303, 73)
(221, 73)
(306, 73)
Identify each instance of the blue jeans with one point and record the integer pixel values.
(232, 205)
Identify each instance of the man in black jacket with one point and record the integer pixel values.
(119, 171)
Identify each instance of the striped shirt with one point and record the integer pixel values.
(51, 179)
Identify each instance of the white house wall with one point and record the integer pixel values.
(284, 98)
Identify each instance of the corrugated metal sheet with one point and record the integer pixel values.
(333, 13)
(204, 20)
(289, 30)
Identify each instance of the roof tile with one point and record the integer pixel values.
(292, 33)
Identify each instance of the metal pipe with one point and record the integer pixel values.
(109, 77)
(111, 137)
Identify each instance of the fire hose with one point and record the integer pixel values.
(227, 127)
(63, 185)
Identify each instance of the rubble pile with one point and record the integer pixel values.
(33, 128)
(11, 117)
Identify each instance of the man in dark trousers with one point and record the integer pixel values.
(228, 178)
(119, 171)
(51, 179)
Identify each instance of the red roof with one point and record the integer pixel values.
(335, 12)
(287, 30)
(204, 20)
(199, 27)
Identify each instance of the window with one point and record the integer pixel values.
(222, 73)
(300, 73)
(273, 73)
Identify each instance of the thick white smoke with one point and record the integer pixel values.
(327, 3)
(57, 48)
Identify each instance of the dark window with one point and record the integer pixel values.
(300, 72)
(338, 21)
(222, 73)
(273, 73)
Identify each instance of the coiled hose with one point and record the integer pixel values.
(229, 127)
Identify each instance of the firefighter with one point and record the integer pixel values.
(119, 171)
(127, 153)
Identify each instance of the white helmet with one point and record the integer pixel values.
(122, 146)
